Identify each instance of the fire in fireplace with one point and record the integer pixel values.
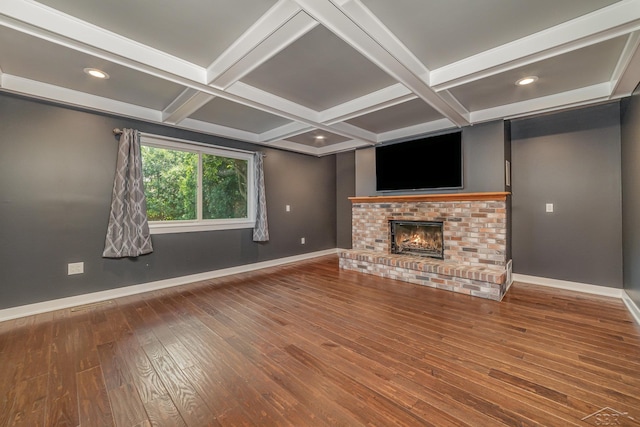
(423, 238)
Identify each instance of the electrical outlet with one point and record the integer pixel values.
(549, 207)
(287, 208)
(75, 268)
(302, 241)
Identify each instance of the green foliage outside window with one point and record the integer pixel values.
(171, 185)
(224, 187)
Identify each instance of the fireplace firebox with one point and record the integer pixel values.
(422, 238)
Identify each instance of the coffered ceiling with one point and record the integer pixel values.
(320, 76)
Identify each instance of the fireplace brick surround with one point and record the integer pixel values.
(475, 241)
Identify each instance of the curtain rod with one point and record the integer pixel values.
(118, 131)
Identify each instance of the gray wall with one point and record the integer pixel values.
(631, 195)
(56, 173)
(484, 155)
(570, 159)
(345, 188)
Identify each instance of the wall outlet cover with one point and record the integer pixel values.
(75, 268)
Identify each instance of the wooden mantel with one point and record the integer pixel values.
(448, 197)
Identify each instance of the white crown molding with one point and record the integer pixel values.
(336, 20)
(57, 27)
(72, 97)
(573, 98)
(625, 75)
(92, 298)
(416, 130)
(601, 25)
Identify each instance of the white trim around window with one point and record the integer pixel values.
(164, 227)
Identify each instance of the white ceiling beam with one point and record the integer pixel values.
(416, 130)
(218, 130)
(455, 104)
(280, 26)
(57, 27)
(265, 98)
(627, 72)
(292, 146)
(616, 20)
(226, 132)
(260, 43)
(73, 97)
(137, 64)
(187, 103)
(370, 23)
(47, 22)
(572, 98)
(383, 98)
(355, 132)
(285, 131)
(266, 25)
(290, 109)
(341, 21)
(340, 147)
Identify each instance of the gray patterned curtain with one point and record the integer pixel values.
(261, 229)
(128, 230)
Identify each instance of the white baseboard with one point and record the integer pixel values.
(583, 287)
(570, 286)
(632, 307)
(62, 303)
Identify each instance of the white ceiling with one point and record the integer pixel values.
(356, 72)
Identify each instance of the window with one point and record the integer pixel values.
(194, 187)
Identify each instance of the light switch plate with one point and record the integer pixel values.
(549, 207)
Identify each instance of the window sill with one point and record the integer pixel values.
(189, 227)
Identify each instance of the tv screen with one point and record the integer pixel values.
(433, 162)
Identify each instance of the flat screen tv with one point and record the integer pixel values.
(428, 163)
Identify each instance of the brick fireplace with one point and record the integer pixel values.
(474, 233)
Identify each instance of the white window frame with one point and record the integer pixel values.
(199, 224)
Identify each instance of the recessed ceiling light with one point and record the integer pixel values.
(319, 137)
(527, 80)
(96, 73)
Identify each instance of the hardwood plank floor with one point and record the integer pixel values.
(310, 345)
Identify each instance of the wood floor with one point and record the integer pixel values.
(310, 345)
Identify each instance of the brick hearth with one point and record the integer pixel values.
(475, 241)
